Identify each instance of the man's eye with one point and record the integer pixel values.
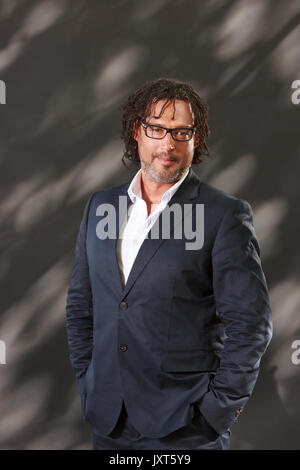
(181, 132)
(156, 129)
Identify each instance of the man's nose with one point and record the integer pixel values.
(168, 141)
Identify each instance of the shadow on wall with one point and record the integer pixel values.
(68, 67)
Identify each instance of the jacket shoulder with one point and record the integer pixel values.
(105, 195)
(221, 201)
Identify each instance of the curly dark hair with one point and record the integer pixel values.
(138, 107)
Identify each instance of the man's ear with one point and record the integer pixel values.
(196, 141)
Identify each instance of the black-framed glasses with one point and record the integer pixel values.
(181, 134)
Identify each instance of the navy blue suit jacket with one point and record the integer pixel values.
(188, 329)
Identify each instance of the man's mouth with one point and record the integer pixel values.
(166, 160)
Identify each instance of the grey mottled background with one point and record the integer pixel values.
(68, 67)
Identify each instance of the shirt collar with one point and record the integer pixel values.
(135, 191)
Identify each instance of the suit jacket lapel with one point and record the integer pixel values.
(121, 213)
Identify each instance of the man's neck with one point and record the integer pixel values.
(152, 191)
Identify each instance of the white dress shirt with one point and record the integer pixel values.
(135, 229)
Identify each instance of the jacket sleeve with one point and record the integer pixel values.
(243, 305)
(79, 308)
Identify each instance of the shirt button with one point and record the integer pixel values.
(123, 347)
(123, 305)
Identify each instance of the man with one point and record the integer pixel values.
(166, 337)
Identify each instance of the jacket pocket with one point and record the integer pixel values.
(191, 361)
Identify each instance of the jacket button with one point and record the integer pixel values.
(123, 305)
(123, 347)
